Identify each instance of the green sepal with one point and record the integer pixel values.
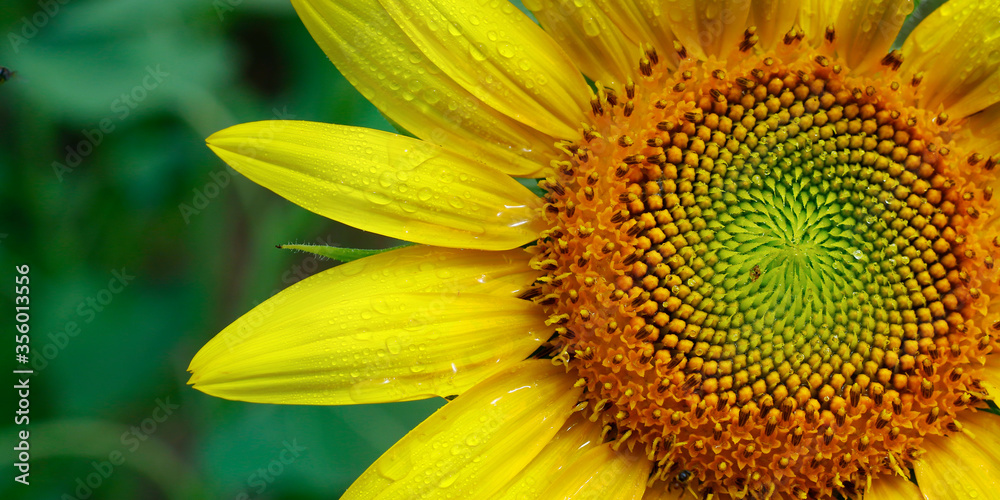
(339, 253)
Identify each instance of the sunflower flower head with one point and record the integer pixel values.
(763, 265)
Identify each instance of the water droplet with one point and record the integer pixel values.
(505, 49)
(385, 180)
(448, 481)
(378, 197)
(432, 96)
(393, 345)
(476, 53)
(394, 464)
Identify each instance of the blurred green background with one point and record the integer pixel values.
(192, 240)
(143, 245)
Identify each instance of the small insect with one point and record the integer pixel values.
(679, 481)
(5, 74)
(755, 273)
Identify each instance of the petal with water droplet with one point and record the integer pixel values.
(709, 28)
(577, 436)
(442, 320)
(507, 418)
(602, 473)
(865, 30)
(773, 18)
(336, 171)
(379, 59)
(959, 466)
(893, 488)
(551, 97)
(982, 129)
(958, 50)
(598, 45)
(815, 16)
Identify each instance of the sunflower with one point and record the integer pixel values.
(762, 263)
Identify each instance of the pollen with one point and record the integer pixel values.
(769, 275)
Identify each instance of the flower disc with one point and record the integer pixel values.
(762, 271)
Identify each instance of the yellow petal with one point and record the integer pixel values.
(815, 16)
(577, 436)
(887, 487)
(597, 44)
(644, 22)
(983, 130)
(473, 445)
(407, 324)
(499, 55)
(602, 473)
(991, 376)
(959, 467)
(384, 183)
(958, 49)
(659, 492)
(387, 68)
(709, 27)
(865, 29)
(773, 19)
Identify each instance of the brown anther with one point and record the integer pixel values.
(746, 83)
(681, 51)
(611, 96)
(645, 67)
(748, 43)
(693, 116)
(893, 59)
(634, 159)
(596, 107)
(652, 55)
(883, 419)
(831, 34)
(932, 416)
